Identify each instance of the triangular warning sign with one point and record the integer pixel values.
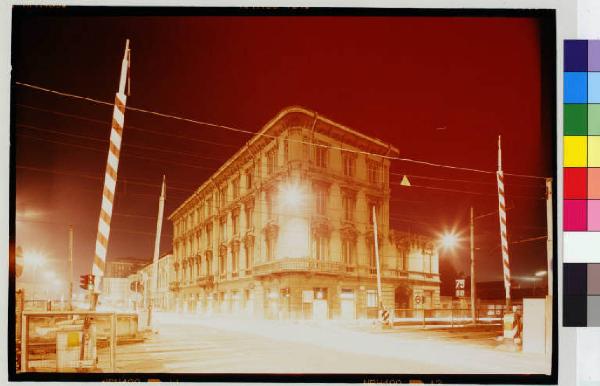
(405, 181)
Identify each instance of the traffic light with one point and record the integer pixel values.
(84, 281)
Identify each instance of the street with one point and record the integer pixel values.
(188, 344)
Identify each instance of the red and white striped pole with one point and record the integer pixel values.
(110, 177)
(502, 216)
(511, 323)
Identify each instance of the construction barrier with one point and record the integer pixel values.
(61, 341)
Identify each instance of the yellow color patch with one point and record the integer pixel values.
(575, 150)
(73, 339)
(594, 151)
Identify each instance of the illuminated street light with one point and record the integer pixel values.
(449, 240)
(541, 273)
(34, 259)
(291, 195)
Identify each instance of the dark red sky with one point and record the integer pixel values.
(397, 78)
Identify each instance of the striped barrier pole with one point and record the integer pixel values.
(510, 322)
(110, 176)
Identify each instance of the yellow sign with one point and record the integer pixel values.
(73, 339)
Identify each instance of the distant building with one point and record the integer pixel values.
(124, 267)
(143, 279)
(284, 229)
(115, 292)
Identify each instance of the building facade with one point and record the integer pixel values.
(142, 289)
(122, 268)
(284, 229)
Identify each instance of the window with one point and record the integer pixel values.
(209, 207)
(348, 207)
(372, 258)
(223, 264)
(305, 148)
(223, 230)
(249, 255)
(249, 179)
(373, 172)
(208, 238)
(348, 164)
(321, 200)
(348, 251)
(234, 261)
(270, 248)
(321, 155)
(286, 150)
(270, 199)
(371, 298)
(235, 220)
(235, 185)
(271, 161)
(321, 245)
(426, 262)
(249, 217)
(223, 198)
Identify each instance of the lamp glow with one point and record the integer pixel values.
(449, 240)
(291, 195)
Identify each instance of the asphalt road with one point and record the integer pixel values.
(187, 344)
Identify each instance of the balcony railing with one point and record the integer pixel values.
(205, 280)
(300, 265)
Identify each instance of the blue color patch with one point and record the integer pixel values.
(593, 87)
(575, 87)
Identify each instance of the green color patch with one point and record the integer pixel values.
(594, 119)
(575, 119)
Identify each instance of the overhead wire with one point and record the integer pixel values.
(253, 133)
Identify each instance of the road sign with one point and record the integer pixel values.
(460, 288)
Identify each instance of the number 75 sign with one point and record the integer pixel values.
(460, 288)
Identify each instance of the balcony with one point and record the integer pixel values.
(174, 286)
(205, 280)
(300, 265)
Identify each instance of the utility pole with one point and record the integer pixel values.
(473, 298)
(376, 245)
(154, 280)
(70, 257)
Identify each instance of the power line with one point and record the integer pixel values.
(102, 140)
(229, 128)
(137, 128)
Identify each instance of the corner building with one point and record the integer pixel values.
(283, 230)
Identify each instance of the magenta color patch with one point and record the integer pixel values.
(593, 209)
(575, 215)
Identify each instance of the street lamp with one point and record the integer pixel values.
(34, 259)
(291, 195)
(449, 240)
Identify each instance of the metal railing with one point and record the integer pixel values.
(446, 316)
(55, 341)
(300, 265)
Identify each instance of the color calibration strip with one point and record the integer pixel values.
(581, 144)
(581, 303)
